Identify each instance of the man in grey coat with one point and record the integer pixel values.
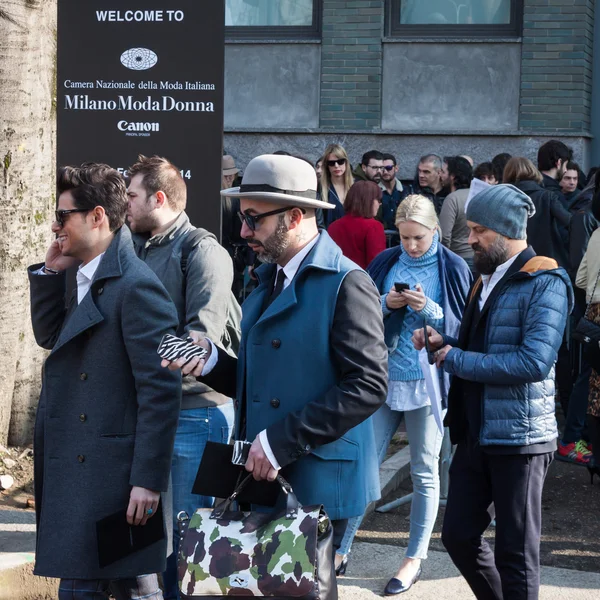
(108, 413)
(198, 274)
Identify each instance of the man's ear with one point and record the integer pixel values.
(161, 198)
(98, 216)
(296, 217)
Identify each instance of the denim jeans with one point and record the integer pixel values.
(134, 588)
(196, 427)
(425, 442)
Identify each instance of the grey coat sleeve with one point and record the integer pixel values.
(360, 355)
(48, 309)
(209, 277)
(150, 314)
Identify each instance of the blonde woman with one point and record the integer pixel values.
(336, 180)
(436, 283)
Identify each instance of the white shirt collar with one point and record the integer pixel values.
(89, 270)
(293, 265)
(85, 275)
(489, 281)
(500, 271)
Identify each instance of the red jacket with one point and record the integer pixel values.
(360, 239)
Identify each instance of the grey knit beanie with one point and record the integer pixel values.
(502, 208)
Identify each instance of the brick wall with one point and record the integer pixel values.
(556, 72)
(351, 64)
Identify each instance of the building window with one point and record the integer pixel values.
(442, 18)
(265, 19)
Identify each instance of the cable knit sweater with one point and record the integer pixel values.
(403, 363)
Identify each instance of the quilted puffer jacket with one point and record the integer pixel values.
(523, 334)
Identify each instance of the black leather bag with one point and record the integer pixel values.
(285, 553)
(587, 333)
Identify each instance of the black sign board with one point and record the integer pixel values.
(145, 77)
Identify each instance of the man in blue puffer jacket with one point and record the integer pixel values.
(501, 402)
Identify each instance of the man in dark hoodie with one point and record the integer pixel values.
(553, 157)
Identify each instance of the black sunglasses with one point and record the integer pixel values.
(59, 215)
(389, 167)
(339, 161)
(252, 220)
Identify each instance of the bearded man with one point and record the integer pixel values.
(312, 364)
(501, 401)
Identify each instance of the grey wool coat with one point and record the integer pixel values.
(107, 413)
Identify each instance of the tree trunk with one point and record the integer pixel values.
(27, 155)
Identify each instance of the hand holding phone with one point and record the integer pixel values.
(401, 287)
(172, 348)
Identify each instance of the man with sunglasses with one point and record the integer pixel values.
(393, 193)
(312, 362)
(107, 414)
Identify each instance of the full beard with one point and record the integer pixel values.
(275, 245)
(487, 261)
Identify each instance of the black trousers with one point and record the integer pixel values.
(509, 487)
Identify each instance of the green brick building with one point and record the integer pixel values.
(410, 77)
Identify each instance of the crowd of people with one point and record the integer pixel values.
(365, 292)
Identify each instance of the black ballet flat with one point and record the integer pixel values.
(341, 570)
(395, 586)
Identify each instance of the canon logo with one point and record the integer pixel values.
(127, 126)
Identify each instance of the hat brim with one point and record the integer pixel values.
(279, 199)
(232, 171)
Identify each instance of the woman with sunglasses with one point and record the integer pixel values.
(336, 180)
(360, 237)
(420, 282)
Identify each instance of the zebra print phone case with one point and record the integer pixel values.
(172, 348)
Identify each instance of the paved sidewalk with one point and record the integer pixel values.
(372, 565)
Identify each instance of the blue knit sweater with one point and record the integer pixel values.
(403, 363)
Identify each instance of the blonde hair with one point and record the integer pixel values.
(419, 209)
(338, 151)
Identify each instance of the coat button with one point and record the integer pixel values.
(81, 458)
(100, 290)
(275, 403)
(276, 344)
(82, 418)
(83, 376)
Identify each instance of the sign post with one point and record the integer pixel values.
(145, 78)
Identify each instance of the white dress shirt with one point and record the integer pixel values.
(290, 270)
(85, 276)
(489, 281)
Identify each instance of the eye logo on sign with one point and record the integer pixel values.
(139, 59)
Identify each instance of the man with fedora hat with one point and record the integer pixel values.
(312, 365)
(501, 401)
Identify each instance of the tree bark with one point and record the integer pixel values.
(27, 155)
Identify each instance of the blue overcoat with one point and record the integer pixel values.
(285, 363)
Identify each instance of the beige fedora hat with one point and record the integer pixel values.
(282, 180)
(228, 165)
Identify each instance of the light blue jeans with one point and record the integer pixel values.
(196, 427)
(425, 443)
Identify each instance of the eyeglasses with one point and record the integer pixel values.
(389, 167)
(252, 220)
(59, 215)
(375, 168)
(339, 161)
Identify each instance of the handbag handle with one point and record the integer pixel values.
(587, 308)
(291, 503)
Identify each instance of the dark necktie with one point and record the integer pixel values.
(277, 288)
